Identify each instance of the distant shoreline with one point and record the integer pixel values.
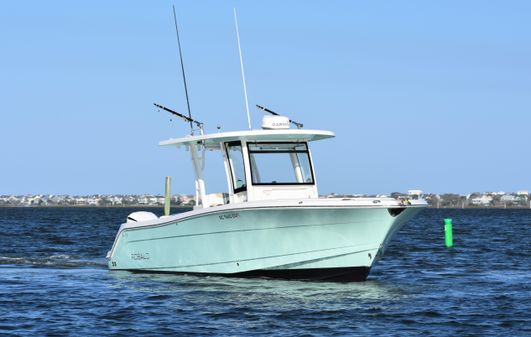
(191, 207)
(93, 206)
(476, 200)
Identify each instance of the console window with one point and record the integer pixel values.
(280, 163)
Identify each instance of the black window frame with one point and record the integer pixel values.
(307, 151)
(244, 187)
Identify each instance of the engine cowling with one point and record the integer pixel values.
(141, 216)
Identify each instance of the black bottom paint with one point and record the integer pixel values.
(346, 274)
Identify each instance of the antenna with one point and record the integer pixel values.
(298, 125)
(243, 73)
(182, 69)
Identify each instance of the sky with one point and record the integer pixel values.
(431, 95)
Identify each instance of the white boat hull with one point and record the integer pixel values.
(303, 240)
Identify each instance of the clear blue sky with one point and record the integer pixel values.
(433, 95)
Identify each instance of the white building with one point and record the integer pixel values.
(508, 198)
(484, 200)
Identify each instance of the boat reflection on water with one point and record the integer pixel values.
(239, 291)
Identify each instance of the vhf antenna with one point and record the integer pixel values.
(184, 76)
(298, 125)
(188, 119)
(241, 65)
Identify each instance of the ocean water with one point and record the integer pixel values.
(54, 281)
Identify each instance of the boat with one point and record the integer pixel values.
(271, 222)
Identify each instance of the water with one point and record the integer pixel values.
(54, 281)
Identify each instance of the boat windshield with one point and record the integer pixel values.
(280, 163)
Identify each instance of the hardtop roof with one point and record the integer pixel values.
(252, 136)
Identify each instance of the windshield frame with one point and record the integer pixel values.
(233, 169)
(306, 151)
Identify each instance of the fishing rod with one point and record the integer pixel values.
(298, 125)
(187, 119)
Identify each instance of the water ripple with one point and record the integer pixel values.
(54, 281)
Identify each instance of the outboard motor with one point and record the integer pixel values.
(141, 216)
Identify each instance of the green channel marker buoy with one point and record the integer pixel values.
(448, 237)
